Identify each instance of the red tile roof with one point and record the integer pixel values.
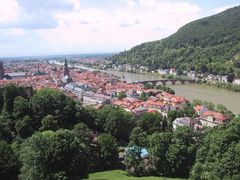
(217, 116)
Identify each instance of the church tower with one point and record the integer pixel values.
(66, 70)
(1, 70)
(66, 78)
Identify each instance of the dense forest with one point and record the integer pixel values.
(213, 42)
(50, 136)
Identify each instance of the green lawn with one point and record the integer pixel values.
(121, 175)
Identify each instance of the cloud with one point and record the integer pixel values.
(9, 11)
(34, 14)
(221, 9)
(129, 24)
(133, 22)
(71, 26)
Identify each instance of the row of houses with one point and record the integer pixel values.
(211, 78)
(87, 97)
(206, 118)
(162, 103)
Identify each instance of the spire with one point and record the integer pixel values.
(66, 70)
(1, 70)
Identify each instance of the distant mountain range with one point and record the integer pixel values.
(213, 42)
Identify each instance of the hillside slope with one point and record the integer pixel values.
(213, 41)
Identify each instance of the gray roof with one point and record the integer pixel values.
(17, 74)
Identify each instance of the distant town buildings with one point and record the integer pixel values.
(97, 89)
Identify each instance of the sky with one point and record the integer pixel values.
(49, 27)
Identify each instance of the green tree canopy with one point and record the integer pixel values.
(107, 151)
(115, 121)
(24, 127)
(158, 148)
(8, 161)
(49, 123)
(53, 155)
(151, 123)
(218, 157)
(182, 151)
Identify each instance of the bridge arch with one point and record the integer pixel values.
(159, 83)
(169, 82)
(178, 82)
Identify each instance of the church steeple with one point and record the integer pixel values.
(66, 70)
(1, 70)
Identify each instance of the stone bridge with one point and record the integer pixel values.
(166, 82)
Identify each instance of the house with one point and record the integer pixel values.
(132, 93)
(192, 74)
(173, 72)
(224, 79)
(200, 109)
(67, 79)
(211, 118)
(156, 105)
(218, 78)
(17, 75)
(139, 110)
(143, 68)
(236, 81)
(189, 122)
(183, 121)
(166, 108)
(163, 71)
(128, 67)
(74, 87)
(91, 98)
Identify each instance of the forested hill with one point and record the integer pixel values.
(213, 41)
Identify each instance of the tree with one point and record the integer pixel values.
(158, 148)
(188, 110)
(82, 131)
(134, 162)
(8, 161)
(218, 157)
(9, 94)
(203, 68)
(53, 155)
(107, 151)
(121, 95)
(24, 127)
(20, 107)
(172, 115)
(115, 121)
(230, 78)
(49, 123)
(6, 127)
(143, 96)
(47, 101)
(182, 151)
(151, 123)
(51, 102)
(1, 101)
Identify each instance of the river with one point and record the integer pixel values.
(192, 91)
